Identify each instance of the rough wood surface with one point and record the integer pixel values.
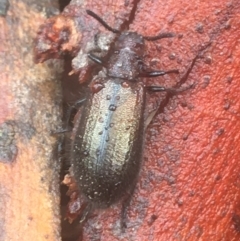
(30, 108)
(188, 188)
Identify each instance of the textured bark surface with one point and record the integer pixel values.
(29, 111)
(188, 188)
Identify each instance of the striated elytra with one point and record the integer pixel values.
(106, 151)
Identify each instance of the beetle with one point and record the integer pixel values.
(106, 150)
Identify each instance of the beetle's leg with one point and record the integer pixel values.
(125, 204)
(172, 91)
(176, 89)
(98, 49)
(95, 59)
(73, 107)
(157, 73)
(70, 110)
(85, 213)
(159, 36)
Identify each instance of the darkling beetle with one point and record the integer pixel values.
(106, 150)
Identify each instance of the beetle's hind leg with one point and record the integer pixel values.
(85, 213)
(69, 114)
(125, 205)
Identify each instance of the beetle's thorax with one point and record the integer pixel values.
(126, 56)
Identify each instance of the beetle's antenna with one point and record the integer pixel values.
(94, 15)
(161, 35)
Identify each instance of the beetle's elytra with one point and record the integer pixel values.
(107, 146)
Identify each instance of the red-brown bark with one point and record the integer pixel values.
(188, 188)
